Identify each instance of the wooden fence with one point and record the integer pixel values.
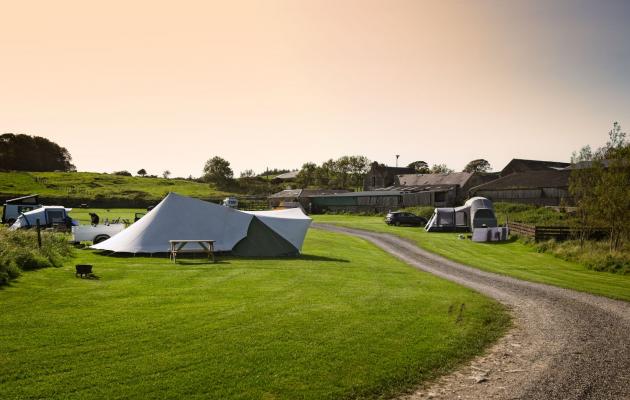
(555, 232)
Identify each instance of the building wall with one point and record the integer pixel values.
(381, 176)
(543, 197)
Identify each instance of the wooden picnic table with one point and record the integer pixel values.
(205, 246)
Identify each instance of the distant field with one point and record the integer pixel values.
(345, 320)
(94, 186)
(83, 214)
(511, 258)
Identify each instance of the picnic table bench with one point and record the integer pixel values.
(204, 246)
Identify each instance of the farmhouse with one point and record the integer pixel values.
(381, 176)
(547, 187)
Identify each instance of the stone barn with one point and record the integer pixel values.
(543, 187)
(381, 176)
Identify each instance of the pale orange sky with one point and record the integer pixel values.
(167, 85)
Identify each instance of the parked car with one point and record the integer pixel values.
(404, 218)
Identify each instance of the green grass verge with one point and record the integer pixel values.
(511, 258)
(95, 186)
(346, 320)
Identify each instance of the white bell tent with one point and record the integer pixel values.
(253, 233)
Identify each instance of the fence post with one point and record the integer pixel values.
(39, 234)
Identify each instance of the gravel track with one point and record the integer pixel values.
(564, 344)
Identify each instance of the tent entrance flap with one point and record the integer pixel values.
(262, 241)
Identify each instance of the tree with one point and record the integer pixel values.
(217, 170)
(122, 173)
(440, 169)
(601, 191)
(324, 175)
(166, 174)
(142, 172)
(359, 166)
(421, 167)
(584, 154)
(248, 173)
(307, 174)
(479, 165)
(20, 152)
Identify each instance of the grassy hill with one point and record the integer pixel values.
(105, 189)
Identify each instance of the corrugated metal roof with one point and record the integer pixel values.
(364, 194)
(522, 165)
(550, 178)
(455, 178)
(300, 193)
(418, 189)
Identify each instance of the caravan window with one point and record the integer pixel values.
(55, 217)
(445, 219)
(440, 197)
(484, 213)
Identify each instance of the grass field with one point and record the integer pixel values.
(83, 214)
(512, 258)
(90, 185)
(346, 320)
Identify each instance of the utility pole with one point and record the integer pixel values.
(397, 155)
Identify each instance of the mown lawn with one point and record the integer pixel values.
(345, 320)
(91, 185)
(510, 258)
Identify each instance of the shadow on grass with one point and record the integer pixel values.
(222, 258)
(90, 277)
(512, 239)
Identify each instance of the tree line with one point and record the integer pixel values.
(600, 187)
(19, 152)
(346, 172)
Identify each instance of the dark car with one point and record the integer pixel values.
(404, 218)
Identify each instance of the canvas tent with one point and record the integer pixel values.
(257, 234)
(475, 213)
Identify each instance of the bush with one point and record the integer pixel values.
(592, 254)
(531, 214)
(19, 252)
(122, 173)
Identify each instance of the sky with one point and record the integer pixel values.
(159, 85)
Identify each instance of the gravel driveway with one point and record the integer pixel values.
(564, 344)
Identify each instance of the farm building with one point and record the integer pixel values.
(381, 176)
(520, 165)
(547, 187)
(380, 200)
(368, 201)
(448, 189)
(293, 197)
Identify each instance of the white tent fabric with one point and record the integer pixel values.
(291, 224)
(180, 217)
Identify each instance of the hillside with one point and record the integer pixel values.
(105, 189)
